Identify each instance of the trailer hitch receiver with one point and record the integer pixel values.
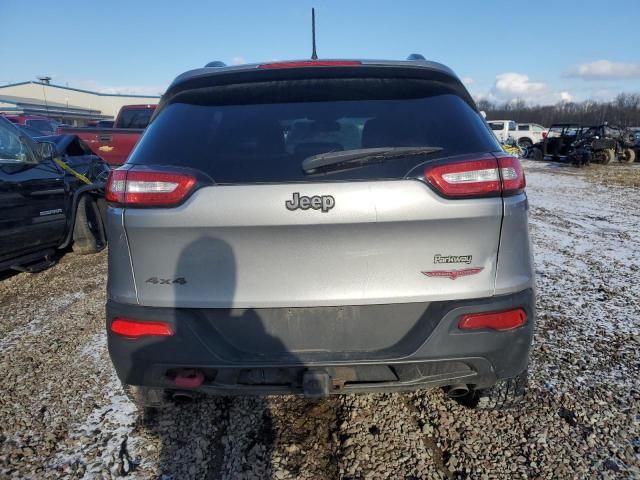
(315, 384)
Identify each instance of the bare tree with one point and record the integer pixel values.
(624, 110)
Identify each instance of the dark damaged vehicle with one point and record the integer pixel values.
(51, 197)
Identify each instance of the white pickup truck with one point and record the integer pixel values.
(529, 133)
(503, 129)
(525, 134)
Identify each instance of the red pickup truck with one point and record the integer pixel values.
(115, 144)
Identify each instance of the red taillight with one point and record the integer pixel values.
(475, 178)
(512, 175)
(544, 134)
(129, 328)
(506, 320)
(148, 188)
(311, 63)
(465, 179)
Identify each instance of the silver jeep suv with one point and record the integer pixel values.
(319, 227)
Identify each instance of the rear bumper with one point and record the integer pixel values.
(365, 348)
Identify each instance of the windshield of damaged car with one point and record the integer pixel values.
(14, 148)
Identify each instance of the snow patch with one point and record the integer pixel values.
(41, 320)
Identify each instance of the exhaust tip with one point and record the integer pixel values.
(457, 391)
(182, 397)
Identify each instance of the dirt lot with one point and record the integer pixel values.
(63, 413)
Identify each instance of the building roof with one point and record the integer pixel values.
(37, 102)
(80, 90)
(34, 106)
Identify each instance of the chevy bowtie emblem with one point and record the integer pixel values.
(105, 148)
(453, 274)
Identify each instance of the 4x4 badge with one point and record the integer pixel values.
(317, 202)
(453, 274)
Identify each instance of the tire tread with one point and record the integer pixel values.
(507, 393)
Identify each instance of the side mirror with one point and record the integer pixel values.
(47, 150)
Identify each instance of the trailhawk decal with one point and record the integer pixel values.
(437, 258)
(453, 274)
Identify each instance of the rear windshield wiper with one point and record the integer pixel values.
(362, 156)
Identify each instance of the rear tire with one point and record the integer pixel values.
(536, 154)
(606, 156)
(505, 394)
(88, 230)
(145, 398)
(629, 155)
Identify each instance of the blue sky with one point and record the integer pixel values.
(541, 51)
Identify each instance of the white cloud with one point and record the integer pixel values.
(566, 97)
(512, 86)
(517, 85)
(467, 80)
(237, 61)
(604, 70)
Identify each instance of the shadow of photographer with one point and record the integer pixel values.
(232, 436)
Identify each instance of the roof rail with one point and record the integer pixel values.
(215, 63)
(416, 56)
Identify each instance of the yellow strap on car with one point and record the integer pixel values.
(67, 168)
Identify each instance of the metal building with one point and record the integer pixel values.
(71, 106)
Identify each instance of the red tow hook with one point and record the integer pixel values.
(189, 379)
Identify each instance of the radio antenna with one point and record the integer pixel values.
(314, 54)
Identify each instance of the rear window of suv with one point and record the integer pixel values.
(42, 125)
(266, 140)
(134, 118)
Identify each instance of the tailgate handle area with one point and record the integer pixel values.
(105, 138)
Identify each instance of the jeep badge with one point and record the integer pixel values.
(317, 202)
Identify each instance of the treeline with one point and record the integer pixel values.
(623, 111)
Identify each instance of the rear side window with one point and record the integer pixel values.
(135, 118)
(496, 126)
(524, 128)
(42, 125)
(267, 142)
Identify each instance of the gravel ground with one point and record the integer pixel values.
(64, 415)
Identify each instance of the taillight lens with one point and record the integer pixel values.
(130, 328)
(476, 178)
(465, 179)
(501, 321)
(311, 63)
(148, 188)
(512, 175)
